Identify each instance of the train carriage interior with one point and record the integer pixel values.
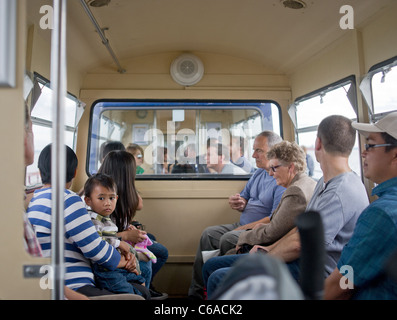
(171, 74)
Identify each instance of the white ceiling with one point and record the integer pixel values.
(259, 30)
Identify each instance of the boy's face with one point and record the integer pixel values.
(102, 200)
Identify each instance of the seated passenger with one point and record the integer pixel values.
(82, 242)
(237, 147)
(108, 146)
(288, 167)
(120, 165)
(137, 151)
(339, 197)
(256, 202)
(100, 193)
(217, 160)
(375, 237)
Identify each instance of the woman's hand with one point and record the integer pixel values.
(133, 235)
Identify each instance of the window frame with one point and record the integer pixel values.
(173, 104)
(351, 95)
(48, 124)
(367, 90)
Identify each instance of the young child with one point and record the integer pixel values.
(100, 193)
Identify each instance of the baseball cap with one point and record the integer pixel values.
(387, 124)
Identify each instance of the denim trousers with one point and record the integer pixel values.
(215, 269)
(119, 280)
(160, 252)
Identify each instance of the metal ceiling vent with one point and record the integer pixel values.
(187, 69)
(294, 4)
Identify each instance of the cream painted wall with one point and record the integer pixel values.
(353, 54)
(38, 58)
(148, 77)
(12, 252)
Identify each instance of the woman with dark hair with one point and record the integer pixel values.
(121, 166)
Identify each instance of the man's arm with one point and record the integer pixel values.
(333, 290)
(288, 248)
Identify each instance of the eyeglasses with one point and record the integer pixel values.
(139, 156)
(273, 168)
(369, 146)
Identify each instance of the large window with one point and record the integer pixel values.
(183, 139)
(379, 88)
(308, 111)
(383, 85)
(42, 125)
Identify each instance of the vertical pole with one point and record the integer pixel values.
(58, 154)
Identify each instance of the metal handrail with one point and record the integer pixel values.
(58, 152)
(105, 41)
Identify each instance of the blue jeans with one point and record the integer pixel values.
(119, 280)
(214, 270)
(160, 252)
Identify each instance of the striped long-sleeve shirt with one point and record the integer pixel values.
(82, 242)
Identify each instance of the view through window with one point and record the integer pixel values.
(42, 127)
(177, 139)
(310, 112)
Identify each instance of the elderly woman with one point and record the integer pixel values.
(287, 165)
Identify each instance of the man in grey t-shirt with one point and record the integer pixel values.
(339, 196)
(340, 201)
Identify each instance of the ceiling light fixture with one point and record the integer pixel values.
(98, 3)
(294, 4)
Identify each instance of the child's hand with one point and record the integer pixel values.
(124, 248)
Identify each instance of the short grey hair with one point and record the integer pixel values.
(289, 152)
(272, 137)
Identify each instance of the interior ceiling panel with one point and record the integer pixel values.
(263, 31)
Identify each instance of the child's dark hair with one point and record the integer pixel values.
(99, 179)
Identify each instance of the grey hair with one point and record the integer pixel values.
(272, 138)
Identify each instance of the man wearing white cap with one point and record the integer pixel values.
(375, 236)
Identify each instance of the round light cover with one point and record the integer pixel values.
(187, 69)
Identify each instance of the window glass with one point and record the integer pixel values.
(311, 111)
(42, 109)
(42, 127)
(183, 139)
(384, 84)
